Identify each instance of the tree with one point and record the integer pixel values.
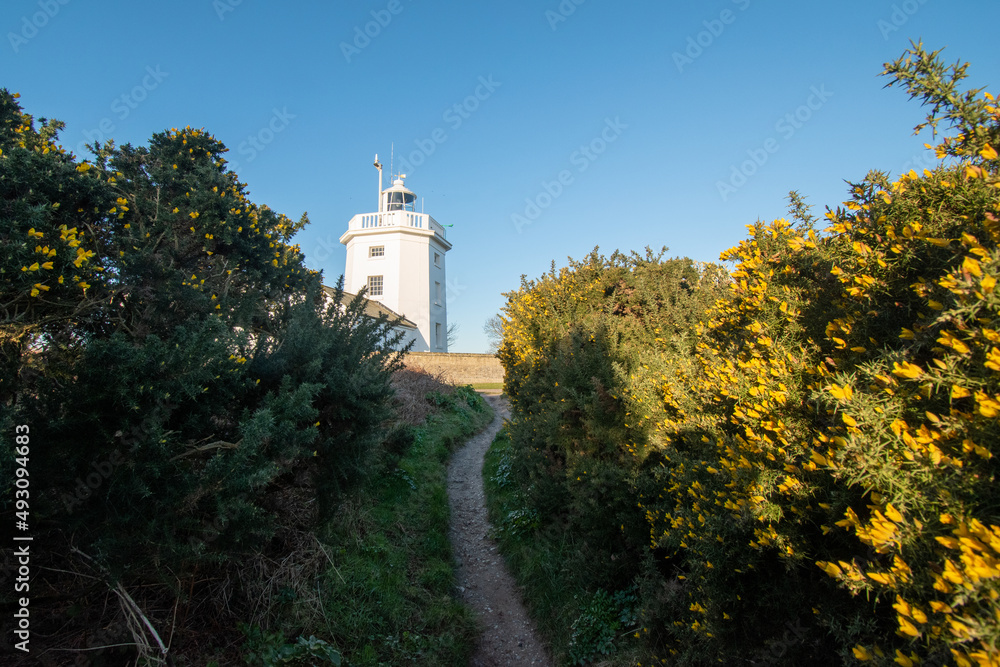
(494, 333)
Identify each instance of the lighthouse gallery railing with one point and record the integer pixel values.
(396, 219)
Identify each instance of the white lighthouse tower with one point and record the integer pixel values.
(398, 254)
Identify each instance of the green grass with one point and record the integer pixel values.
(487, 385)
(554, 568)
(391, 598)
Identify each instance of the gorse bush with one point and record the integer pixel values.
(816, 468)
(574, 341)
(170, 352)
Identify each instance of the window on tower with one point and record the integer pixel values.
(376, 251)
(374, 285)
(437, 259)
(437, 293)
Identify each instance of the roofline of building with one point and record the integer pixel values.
(373, 309)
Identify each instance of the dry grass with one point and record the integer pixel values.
(412, 384)
(288, 567)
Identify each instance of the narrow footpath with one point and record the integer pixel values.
(509, 637)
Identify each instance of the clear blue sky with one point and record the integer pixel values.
(666, 98)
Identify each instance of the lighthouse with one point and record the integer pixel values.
(398, 254)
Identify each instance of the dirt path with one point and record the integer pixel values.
(509, 636)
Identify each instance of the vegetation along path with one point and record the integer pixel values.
(509, 636)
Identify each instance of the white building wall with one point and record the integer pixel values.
(408, 275)
(413, 294)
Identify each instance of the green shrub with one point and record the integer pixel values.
(180, 369)
(814, 460)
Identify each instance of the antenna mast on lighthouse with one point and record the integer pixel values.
(378, 165)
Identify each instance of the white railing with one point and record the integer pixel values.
(396, 219)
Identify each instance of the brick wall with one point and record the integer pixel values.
(459, 368)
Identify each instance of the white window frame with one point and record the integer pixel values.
(373, 282)
(376, 251)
